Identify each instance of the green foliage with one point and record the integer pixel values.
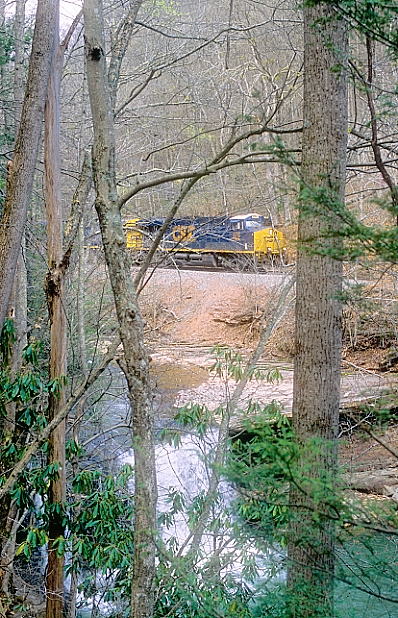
(73, 449)
(277, 150)
(56, 385)
(7, 47)
(99, 519)
(372, 18)
(7, 339)
(357, 238)
(23, 403)
(101, 528)
(7, 41)
(194, 416)
(262, 461)
(165, 7)
(27, 389)
(205, 585)
(35, 538)
(230, 365)
(190, 593)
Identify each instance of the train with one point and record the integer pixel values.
(241, 241)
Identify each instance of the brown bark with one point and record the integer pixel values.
(17, 310)
(56, 302)
(22, 168)
(316, 389)
(19, 31)
(58, 262)
(18, 301)
(20, 294)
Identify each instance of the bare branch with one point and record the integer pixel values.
(78, 203)
(119, 48)
(214, 166)
(71, 29)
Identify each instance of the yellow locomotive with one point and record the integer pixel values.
(239, 241)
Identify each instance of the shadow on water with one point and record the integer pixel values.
(174, 377)
(170, 379)
(367, 575)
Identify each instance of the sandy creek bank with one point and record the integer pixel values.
(183, 375)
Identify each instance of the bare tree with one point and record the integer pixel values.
(22, 167)
(56, 308)
(18, 301)
(131, 327)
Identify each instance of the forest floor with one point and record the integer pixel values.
(190, 312)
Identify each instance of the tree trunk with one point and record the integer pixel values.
(22, 168)
(80, 297)
(19, 302)
(5, 104)
(20, 282)
(56, 303)
(131, 327)
(19, 45)
(316, 389)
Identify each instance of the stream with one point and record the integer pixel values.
(183, 472)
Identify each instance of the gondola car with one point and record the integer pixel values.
(241, 241)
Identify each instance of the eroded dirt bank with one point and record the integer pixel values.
(210, 308)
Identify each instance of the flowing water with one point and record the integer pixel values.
(183, 473)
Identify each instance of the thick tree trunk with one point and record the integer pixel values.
(131, 327)
(316, 391)
(56, 303)
(58, 262)
(22, 168)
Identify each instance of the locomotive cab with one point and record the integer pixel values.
(250, 222)
(260, 236)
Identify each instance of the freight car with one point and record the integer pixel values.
(242, 241)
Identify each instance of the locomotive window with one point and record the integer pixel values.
(254, 225)
(237, 225)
